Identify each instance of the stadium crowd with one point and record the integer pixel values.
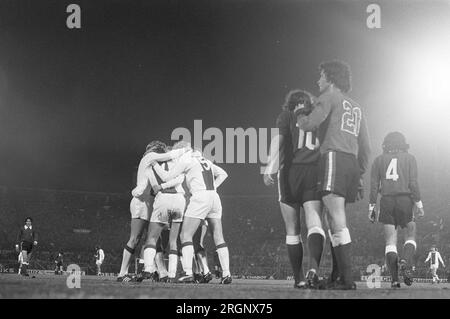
(75, 222)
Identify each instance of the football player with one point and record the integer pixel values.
(202, 179)
(435, 258)
(140, 207)
(297, 185)
(26, 239)
(168, 209)
(344, 158)
(99, 258)
(394, 176)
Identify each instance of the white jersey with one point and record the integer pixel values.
(100, 256)
(434, 257)
(201, 173)
(142, 177)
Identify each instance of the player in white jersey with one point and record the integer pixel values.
(168, 209)
(140, 206)
(435, 258)
(202, 179)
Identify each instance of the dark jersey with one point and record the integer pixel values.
(394, 174)
(341, 124)
(300, 147)
(26, 235)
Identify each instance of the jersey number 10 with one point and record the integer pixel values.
(391, 172)
(308, 140)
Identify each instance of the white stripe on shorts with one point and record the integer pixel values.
(330, 171)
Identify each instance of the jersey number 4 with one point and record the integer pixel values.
(351, 119)
(208, 177)
(391, 172)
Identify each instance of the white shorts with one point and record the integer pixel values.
(99, 263)
(433, 267)
(168, 207)
(204, 204)
(140, 209)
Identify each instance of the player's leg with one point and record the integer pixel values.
(291, 218)
(390, 235)
(153, 235)
(201, 253)
(334, 267)
(190, 225)
(221, 248)
(197, 266)
(173, 247)
(25, 258)
(316, 238)
(404, 214)
(341, 237)
(160, 249)
(136, 228)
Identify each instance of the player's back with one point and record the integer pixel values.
(395, 171)
(340, 131)
(199, 174)
(167, 165)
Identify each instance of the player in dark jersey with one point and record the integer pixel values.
(297, 185)
(394, 176)
(344, 156)
(26, 239)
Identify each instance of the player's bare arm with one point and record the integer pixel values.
(274, 160)
(219, 175)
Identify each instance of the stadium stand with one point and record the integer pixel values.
(74, 222)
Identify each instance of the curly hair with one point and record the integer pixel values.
(155, 146)
(395, 142)
(338, 73)
(296, 97)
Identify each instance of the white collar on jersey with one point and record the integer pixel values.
(26, 227)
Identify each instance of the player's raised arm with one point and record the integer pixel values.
(219, 175)
(320, 112)
(177, 169)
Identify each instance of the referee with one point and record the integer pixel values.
(26, 239)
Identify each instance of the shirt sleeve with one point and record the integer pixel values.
(176, 170)
(173, 182)
(374, 181)
(282, 123)
(440, 258)
(35, 235)
(363, 146)
(322, 108)
(19, 237)
(428, 258)
(413, 176)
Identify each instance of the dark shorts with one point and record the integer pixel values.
(27, 246)
(298, 184)
(339, 174)
(396, 210)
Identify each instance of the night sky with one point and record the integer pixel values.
(77, 107)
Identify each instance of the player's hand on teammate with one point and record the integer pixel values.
(17, 248)
(419, 213)
(157, 188)
(269, 179)
(373, 213)
(35, 243)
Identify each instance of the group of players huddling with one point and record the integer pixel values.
(176, 190)
(320, 156)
